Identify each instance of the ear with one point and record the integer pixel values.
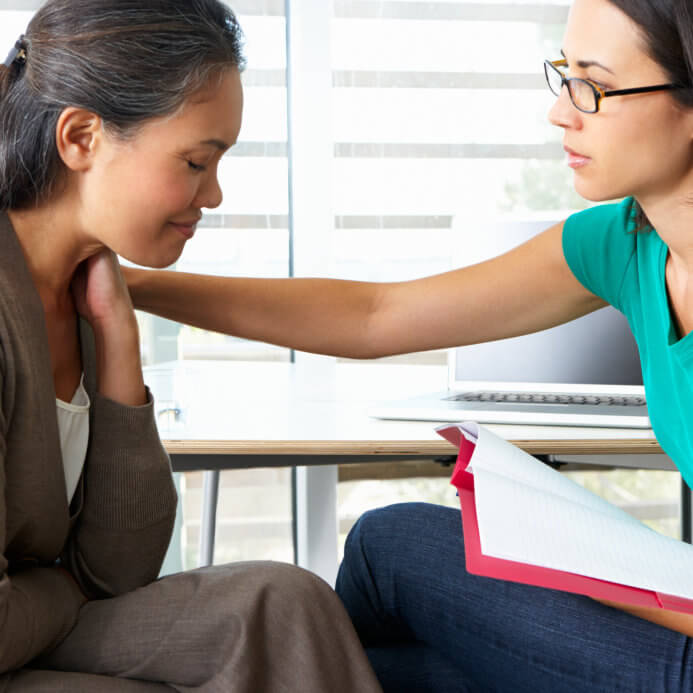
(78, 134)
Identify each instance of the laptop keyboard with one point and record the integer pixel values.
(548, 398)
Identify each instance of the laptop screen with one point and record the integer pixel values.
(596, 349)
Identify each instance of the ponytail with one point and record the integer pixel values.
(5, 79)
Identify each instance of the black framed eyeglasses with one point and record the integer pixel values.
(585, 95)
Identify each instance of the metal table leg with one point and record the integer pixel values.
(209, 517)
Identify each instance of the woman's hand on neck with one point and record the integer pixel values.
(101, 297)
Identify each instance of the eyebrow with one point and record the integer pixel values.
(584, 64)
(219, 144)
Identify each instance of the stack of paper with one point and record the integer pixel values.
(525, 522)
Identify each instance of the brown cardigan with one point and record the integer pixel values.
(114, 535)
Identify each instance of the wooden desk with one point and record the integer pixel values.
(217, 415)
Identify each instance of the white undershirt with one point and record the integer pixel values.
(73, 426)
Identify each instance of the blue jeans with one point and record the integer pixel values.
(428, 625)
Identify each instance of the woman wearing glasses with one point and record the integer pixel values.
(624, 90)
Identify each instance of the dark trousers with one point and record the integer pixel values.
(428, 625)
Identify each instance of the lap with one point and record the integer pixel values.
(403, 579)
(38, 681)
(240, 627)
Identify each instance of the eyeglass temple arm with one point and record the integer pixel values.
(641, 90)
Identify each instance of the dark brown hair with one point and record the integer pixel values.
(127, 61)
(666, 27)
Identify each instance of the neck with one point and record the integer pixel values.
(673, 220)
(53, 246)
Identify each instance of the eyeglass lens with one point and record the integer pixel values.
(581, 93)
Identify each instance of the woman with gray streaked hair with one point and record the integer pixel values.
(114, 115)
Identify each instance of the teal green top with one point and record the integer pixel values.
(626, 268)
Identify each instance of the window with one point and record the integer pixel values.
(248, 235)
(439, 118)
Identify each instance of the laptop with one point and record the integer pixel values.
(583, 373)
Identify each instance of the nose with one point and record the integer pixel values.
(563, 114)
(210, 194)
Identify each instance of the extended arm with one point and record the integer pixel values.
(528, 289)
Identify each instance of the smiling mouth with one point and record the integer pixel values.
(187, 229)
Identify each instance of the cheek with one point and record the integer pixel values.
(651, 134)
(159, 197)
(628, 155)
(146, 189)
(658, 152)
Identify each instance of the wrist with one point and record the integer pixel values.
(119, 327)
(119, 365)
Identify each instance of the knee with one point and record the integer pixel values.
(290, 583)
(385, 528)
(244, 589)
(376, 535)
(373, 527)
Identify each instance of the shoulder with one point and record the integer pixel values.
(599, 244)
(22, 322)
(15, 280)
(615, 222)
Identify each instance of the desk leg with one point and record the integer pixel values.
(316, 520)
(209, 517)
(686, 526)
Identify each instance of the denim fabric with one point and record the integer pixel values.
(428, 625)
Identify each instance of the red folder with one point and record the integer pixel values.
(488, 566)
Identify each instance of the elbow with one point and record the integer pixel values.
(376, 345)
(376, 334)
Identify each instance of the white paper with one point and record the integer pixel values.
(530, 513)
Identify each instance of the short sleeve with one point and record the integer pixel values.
(599, 246)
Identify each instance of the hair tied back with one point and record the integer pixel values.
(17, 54)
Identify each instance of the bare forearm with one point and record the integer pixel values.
(530, 289)
(318, 315)
(674, 620)
(118, 362)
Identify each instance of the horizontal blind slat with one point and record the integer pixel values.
(456, 11)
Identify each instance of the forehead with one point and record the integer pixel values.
(214, 112)
(598, 30)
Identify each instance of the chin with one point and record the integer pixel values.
(156, 260)
(592, 191)
(163, 263)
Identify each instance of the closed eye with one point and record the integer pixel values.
(594, 82)
(601, 85)
(196, 167)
